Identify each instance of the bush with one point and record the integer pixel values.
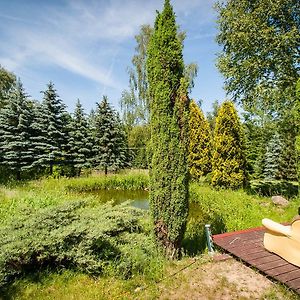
(228, 160)
(77, 236)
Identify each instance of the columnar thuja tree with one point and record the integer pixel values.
(169, 142)
(200, 142)
(228, 161)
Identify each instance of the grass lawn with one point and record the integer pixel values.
(225, 210)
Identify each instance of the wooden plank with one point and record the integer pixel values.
(292, 275)
(248, 246)
(294, 284)
(281, 270)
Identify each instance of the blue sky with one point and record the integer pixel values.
(85, 46)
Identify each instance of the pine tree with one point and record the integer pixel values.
(80, 141)
(228, 161)
(110, 139)
(15, 132)
(169, 136)
(200, 143)
(273, 158)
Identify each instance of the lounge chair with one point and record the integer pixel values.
(283, 240)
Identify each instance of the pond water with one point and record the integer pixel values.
(138, 198)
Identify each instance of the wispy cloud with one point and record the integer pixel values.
(85, 37)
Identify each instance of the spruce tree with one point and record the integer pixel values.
(50, 123)
(169, 134)
(110, 140)
(228, 161)
(272, 158)
(200, 142)
(15, 132)
(80, 140)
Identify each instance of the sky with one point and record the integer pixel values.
(85, 46)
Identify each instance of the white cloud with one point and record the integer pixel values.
(84, 37)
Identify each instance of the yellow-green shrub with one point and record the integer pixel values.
(228, 161)
(200, 142)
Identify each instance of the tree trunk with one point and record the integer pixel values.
(105, 170)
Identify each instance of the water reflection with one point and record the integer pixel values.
(138, 198)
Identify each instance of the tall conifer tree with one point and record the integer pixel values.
(228, 161)
(15, 132)
(50, 122)
(110, 140)
(80, 141)
(169, 141)
(200, 142)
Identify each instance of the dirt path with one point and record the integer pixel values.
(221, 280)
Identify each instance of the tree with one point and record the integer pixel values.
(260, 59)
(51, 127)
(110, 139)
(7, 83)
(228, 160)
(15, 144)
(135, 103)
(138, 138)
(200, 143)
(297, 141)
(273, 158)
(80, 140)
(169, 134)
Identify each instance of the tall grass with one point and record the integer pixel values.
(228, 210)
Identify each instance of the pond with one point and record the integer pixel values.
(138, 198)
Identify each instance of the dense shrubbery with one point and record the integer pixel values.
(74, 235)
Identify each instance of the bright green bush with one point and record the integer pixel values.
(228, 161)
(85, 238)
(200, 142)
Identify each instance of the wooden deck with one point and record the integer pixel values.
(248, 246)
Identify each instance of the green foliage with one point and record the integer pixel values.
(260, 58)
(169, 136)
(297, 142)
(228, 160)
(139, 181)
(51, 124)
(7, 84)
(200, 145)
(16, 148)
(80, 140)
(138, 139)
(228, 210)
(274, 187)
(74, 235)
(273, 157)
(110, 140)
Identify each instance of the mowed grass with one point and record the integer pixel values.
(225, 210)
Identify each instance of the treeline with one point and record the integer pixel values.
(42, 138)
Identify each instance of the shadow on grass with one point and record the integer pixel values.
(194, 241)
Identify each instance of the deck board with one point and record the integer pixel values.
(248, 246)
